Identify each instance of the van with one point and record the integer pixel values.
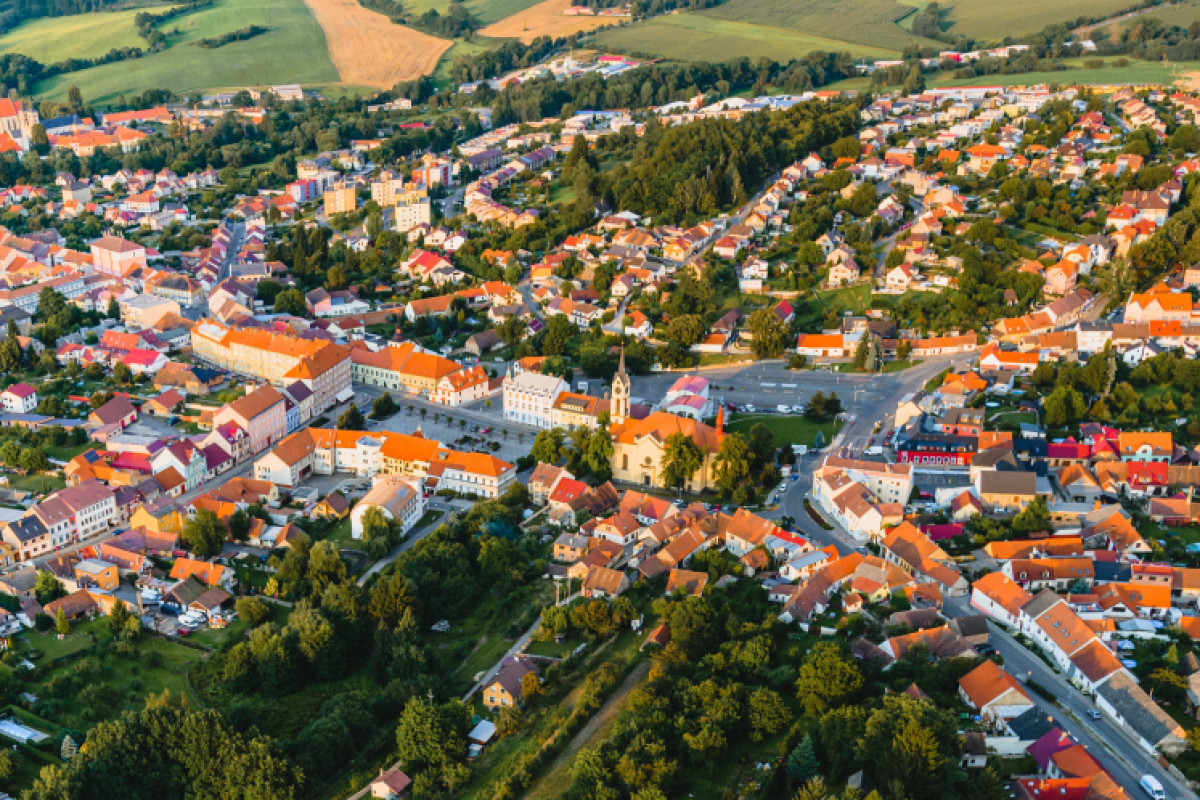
(876, 450)
(1153, 787)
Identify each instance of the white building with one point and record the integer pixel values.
(529, 397)
(398, 499)
(19, 399)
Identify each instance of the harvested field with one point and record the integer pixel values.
(544, 19)
(875, 20)
(368, 49)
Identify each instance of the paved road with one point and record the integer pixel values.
(1109, 743)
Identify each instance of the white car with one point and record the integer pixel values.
(191, 620)
(782, 409)
(751, 409)
(797, 409)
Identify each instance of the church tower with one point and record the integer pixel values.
(621, 388)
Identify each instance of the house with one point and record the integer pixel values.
(506, 689)
(334, 506)
(1126, 703)
(390, 785)
(116, 414)
(20, 398)
(915, 553)
(605, 582)
(399, 500)
(686, 581)
(994, 693)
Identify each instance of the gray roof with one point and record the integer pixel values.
(970, 625)
(1040, 604)
(28, 529)
(1141, 713)
(1032, 725)
(1020, 483)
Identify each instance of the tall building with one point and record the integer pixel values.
(341, 199)
(413, 209)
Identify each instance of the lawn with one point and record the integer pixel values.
(786, 429)
(811, 311)
(214, 637)
(888, 366)
(1136, 72)
(293, 51)
(69, 452)
(688, 37)
(53, 39)
(875, 21)
(36, 483)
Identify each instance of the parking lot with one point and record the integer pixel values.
(458, 432)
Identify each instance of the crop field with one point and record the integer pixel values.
(687, 37)
(369, 49)
(1136, 72)
(490, 11)
(992, 20)
(53, 39)
(874, 21)
(292, 51)
(1182, 14)
(544, 19)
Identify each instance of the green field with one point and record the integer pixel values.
(992, 20)
(687, 37)
(1183, 14)
(293, 51)
(875, 21)
(786, 429)
(489, 11)
(53, 39)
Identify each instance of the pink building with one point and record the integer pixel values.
(262, 414)
(112, 255)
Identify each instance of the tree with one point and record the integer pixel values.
(599, 453)
(431, 736)
(770, 333)
(374, 226)
(731, 467)
(682, 458)
(685, 330)
(862, 352)
(530, 686)
(47, 587)
(291, 301)
(827, 679)
(10, 355)
(351, 419)
(34, 460)
(119, 617)
(802, 765)
(1034, 517)
(1064, 407)
(559, 329)
(239, 526)
(114, 309)
(205, 533)
(384, 406)
(549, 446)
(253, 610)
(39, 139)
(336, 279)
(768, 714)
(61, 624)
(325, 565)
(911, 743)
(512, 330)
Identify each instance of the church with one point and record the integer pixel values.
(638, 444)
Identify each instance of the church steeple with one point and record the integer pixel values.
(621, 389)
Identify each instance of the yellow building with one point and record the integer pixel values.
(341, 199)
(406, 367)
(639, 445)
(162, 516)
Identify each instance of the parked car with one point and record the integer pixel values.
(184, 632)
(797, 409)
(1093, 713)
(750, 409)
(782, 409)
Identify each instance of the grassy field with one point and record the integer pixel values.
(991, 20)
(489, 11)
(1182, 14)
(786, 429)
(52, 39)
(293, 51)
(875, 21)
(688, 37)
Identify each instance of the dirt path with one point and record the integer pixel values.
(368, 49)
(558, 778)
(545, 19)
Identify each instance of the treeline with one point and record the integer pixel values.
(239, 35)
(21, 72)
(511, 55)
(147, 23)
(14, 12)
(394, 9)
(1153, 40)
(455, 23)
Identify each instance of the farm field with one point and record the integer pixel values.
(543, 19)
(490, 11)
(1136, 72)
(875, 20)
(992, 20)
(293, 51)
(53, 39)
(369, 49)
(685, 37)
(1182, 14)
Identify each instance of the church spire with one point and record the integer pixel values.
(621, 366)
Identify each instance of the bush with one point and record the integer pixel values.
(1041, 690)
